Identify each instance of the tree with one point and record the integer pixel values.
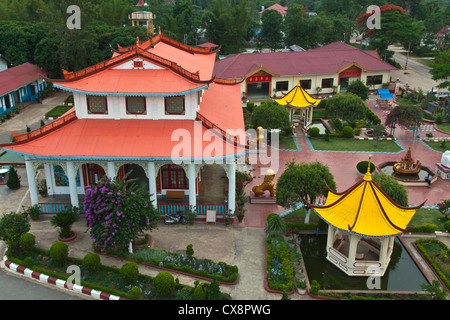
(271, 29)
(303, 183)
(270, 115)
(404, 115)
(395, 26)
(392, 188)
(13, 181)
(359, 88)
(346, 106)
(440, 69)
(117, 211)
(12, 227)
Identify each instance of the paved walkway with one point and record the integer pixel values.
(242, 245)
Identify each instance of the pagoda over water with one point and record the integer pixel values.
(362, 225)
(299, 99)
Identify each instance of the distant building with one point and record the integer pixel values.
(20, 84)
(4, 63)
(331, 68)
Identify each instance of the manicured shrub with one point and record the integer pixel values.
(12, 227)
(59, 252)
(315, 286)
(363, 165)
(129, 272)
(184, 294)
(164, 283)
(13, 181)
(438, 118)
(135, 292)
(314, 132)
(347, 131)
(447, 226)
(91, 262)
(189, 250)
(214, 291)
(425, 228)
(201, 291)
(27, 242)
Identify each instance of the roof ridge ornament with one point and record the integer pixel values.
(368, 176)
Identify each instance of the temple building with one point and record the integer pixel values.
(362, 225)
(323, 71)
(153, 109)
(299, 100)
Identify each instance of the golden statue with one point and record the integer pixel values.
(407, 165)
(268, 184)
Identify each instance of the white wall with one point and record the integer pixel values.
(117, 108)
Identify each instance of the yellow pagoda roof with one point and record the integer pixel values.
(366, 210)
(297, 98)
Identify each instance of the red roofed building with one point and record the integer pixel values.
(153, 109)
(277, 7)
(330, 67)
(20, 84)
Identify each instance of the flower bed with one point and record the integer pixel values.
(205, 268)
(280, 274)
(438, 256)
(105, 279)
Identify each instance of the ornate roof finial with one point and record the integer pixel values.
(368, 176)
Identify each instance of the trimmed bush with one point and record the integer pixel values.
(314, 132)
(438, 118)
(12, 227)
(135, 292)
(27, 242)
(447, 226)
(59, 252)
(91, 262)
(425, 228)
(214, 291)
(13, 181)
(129, 272)
(164, 283)
(347, 132)
(363, 165)
(201, 291)
(189, 250)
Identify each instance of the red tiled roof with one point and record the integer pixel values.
(142, 138)
(324, 60)
(282, 10)
(208, 45)
(129, 81)
(19, 76)
(442, 33)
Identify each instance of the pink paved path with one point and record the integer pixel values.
(343, 167)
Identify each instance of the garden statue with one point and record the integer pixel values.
(268, 184)
(445, 159)
(407, 165)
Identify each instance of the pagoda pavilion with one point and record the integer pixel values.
(152, 108)
(299, 99)
(362, 225)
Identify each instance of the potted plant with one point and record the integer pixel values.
(64, 221)
(227, 217)
(301, 287)
(32, 211)
(191, 214)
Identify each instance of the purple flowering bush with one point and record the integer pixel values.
(117, 211)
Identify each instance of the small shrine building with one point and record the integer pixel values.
(362, 225)
(298, 99)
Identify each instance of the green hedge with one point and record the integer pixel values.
(430, 260)
(280, 253)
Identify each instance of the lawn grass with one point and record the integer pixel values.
(287, 143)
(444, 126)
(355, 145)
(436, 145)
(58, 111)
(428, 216)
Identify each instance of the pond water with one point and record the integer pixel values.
(389, 171)
(402, 273)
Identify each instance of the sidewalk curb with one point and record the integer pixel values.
(55, 281)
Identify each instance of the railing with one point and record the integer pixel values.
(60, 121)
(53, 208)
(164, 208)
